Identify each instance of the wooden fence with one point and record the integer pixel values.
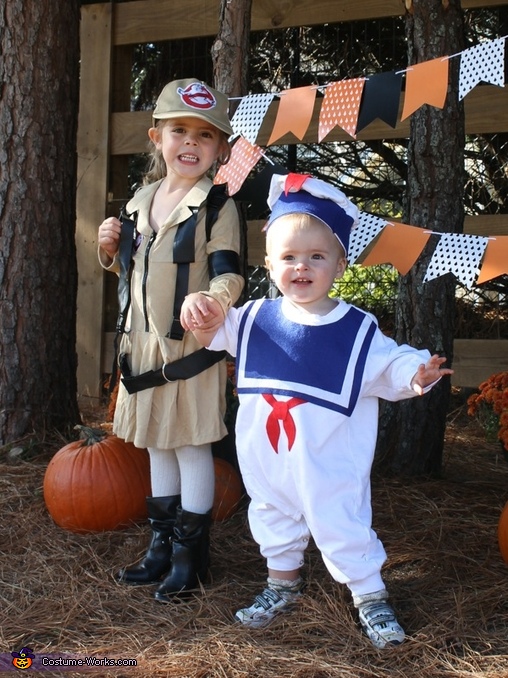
(108, 132)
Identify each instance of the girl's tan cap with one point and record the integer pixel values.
(193, 98)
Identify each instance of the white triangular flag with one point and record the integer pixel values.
(457, 253)
(363, 234)
(250, 114)
(482, 63)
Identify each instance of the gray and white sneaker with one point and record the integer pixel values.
(380, 624)
(266, 607)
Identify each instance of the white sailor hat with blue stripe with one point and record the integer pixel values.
(304, 194)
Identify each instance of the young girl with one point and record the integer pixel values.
(310, 372)
(173, 258)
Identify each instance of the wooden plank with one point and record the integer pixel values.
(256, 243)
(486, 224)
(146, 21)
(485, 111)
(92, 145)
(476, 359)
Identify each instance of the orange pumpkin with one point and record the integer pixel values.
(502, 533)
(98, 483)
(228, 490)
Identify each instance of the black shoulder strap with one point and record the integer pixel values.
(125, 249)
(215, 201)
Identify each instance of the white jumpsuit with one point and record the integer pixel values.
(306, 430)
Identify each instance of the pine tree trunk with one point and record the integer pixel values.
(38, 275)
(230, 53)
(411, 435)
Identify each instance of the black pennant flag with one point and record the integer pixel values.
(255, 191)
(381, 95)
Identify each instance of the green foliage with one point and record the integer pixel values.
(374, 288)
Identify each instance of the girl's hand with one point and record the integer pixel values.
(109, 236)
(429, 373)
(200, 312)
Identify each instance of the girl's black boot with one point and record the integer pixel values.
(156, 562)
(190, 555)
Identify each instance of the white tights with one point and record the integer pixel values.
(188, 471)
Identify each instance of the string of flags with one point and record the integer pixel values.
(352, 104)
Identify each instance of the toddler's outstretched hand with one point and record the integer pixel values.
(429, 373)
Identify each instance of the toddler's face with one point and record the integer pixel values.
(304, 258)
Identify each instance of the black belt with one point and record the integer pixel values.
(184, 368)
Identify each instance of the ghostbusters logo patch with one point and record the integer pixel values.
(197, 95)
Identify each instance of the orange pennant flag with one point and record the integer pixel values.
(244, 157)
(399, 245)
(495, 259)
(294, 113)
(341, 106)
(426, 83)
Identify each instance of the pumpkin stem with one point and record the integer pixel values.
(89, 435)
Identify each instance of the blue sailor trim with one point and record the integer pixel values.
(322, 364)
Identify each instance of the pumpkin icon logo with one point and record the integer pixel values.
(23, 659)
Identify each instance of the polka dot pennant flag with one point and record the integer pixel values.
(482, 63)
(244, 156)
(250, 114)
(368, 227)
(341, 106)
(459, 254)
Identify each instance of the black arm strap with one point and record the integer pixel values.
(215, 201)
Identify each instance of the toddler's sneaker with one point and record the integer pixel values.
(266, 607)
(380, 624)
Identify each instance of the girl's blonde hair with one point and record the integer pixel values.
(157, 167)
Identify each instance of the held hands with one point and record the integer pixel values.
(109, 236)
(429, 373)
(201, 313)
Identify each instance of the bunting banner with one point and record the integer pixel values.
(399, 245)
(495, 261)
(459, 254)
(352, 104)
(426, 83)
(482, 63)
(368, 227)
(250, 114)
(244, 156)
(381, 95)
(341, 107)
(294, 114)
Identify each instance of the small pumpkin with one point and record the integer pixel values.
(502, 533)
(228, 490)
(97, 483)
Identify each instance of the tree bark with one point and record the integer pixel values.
(412, 432)
(230, 52)
(39, 72)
